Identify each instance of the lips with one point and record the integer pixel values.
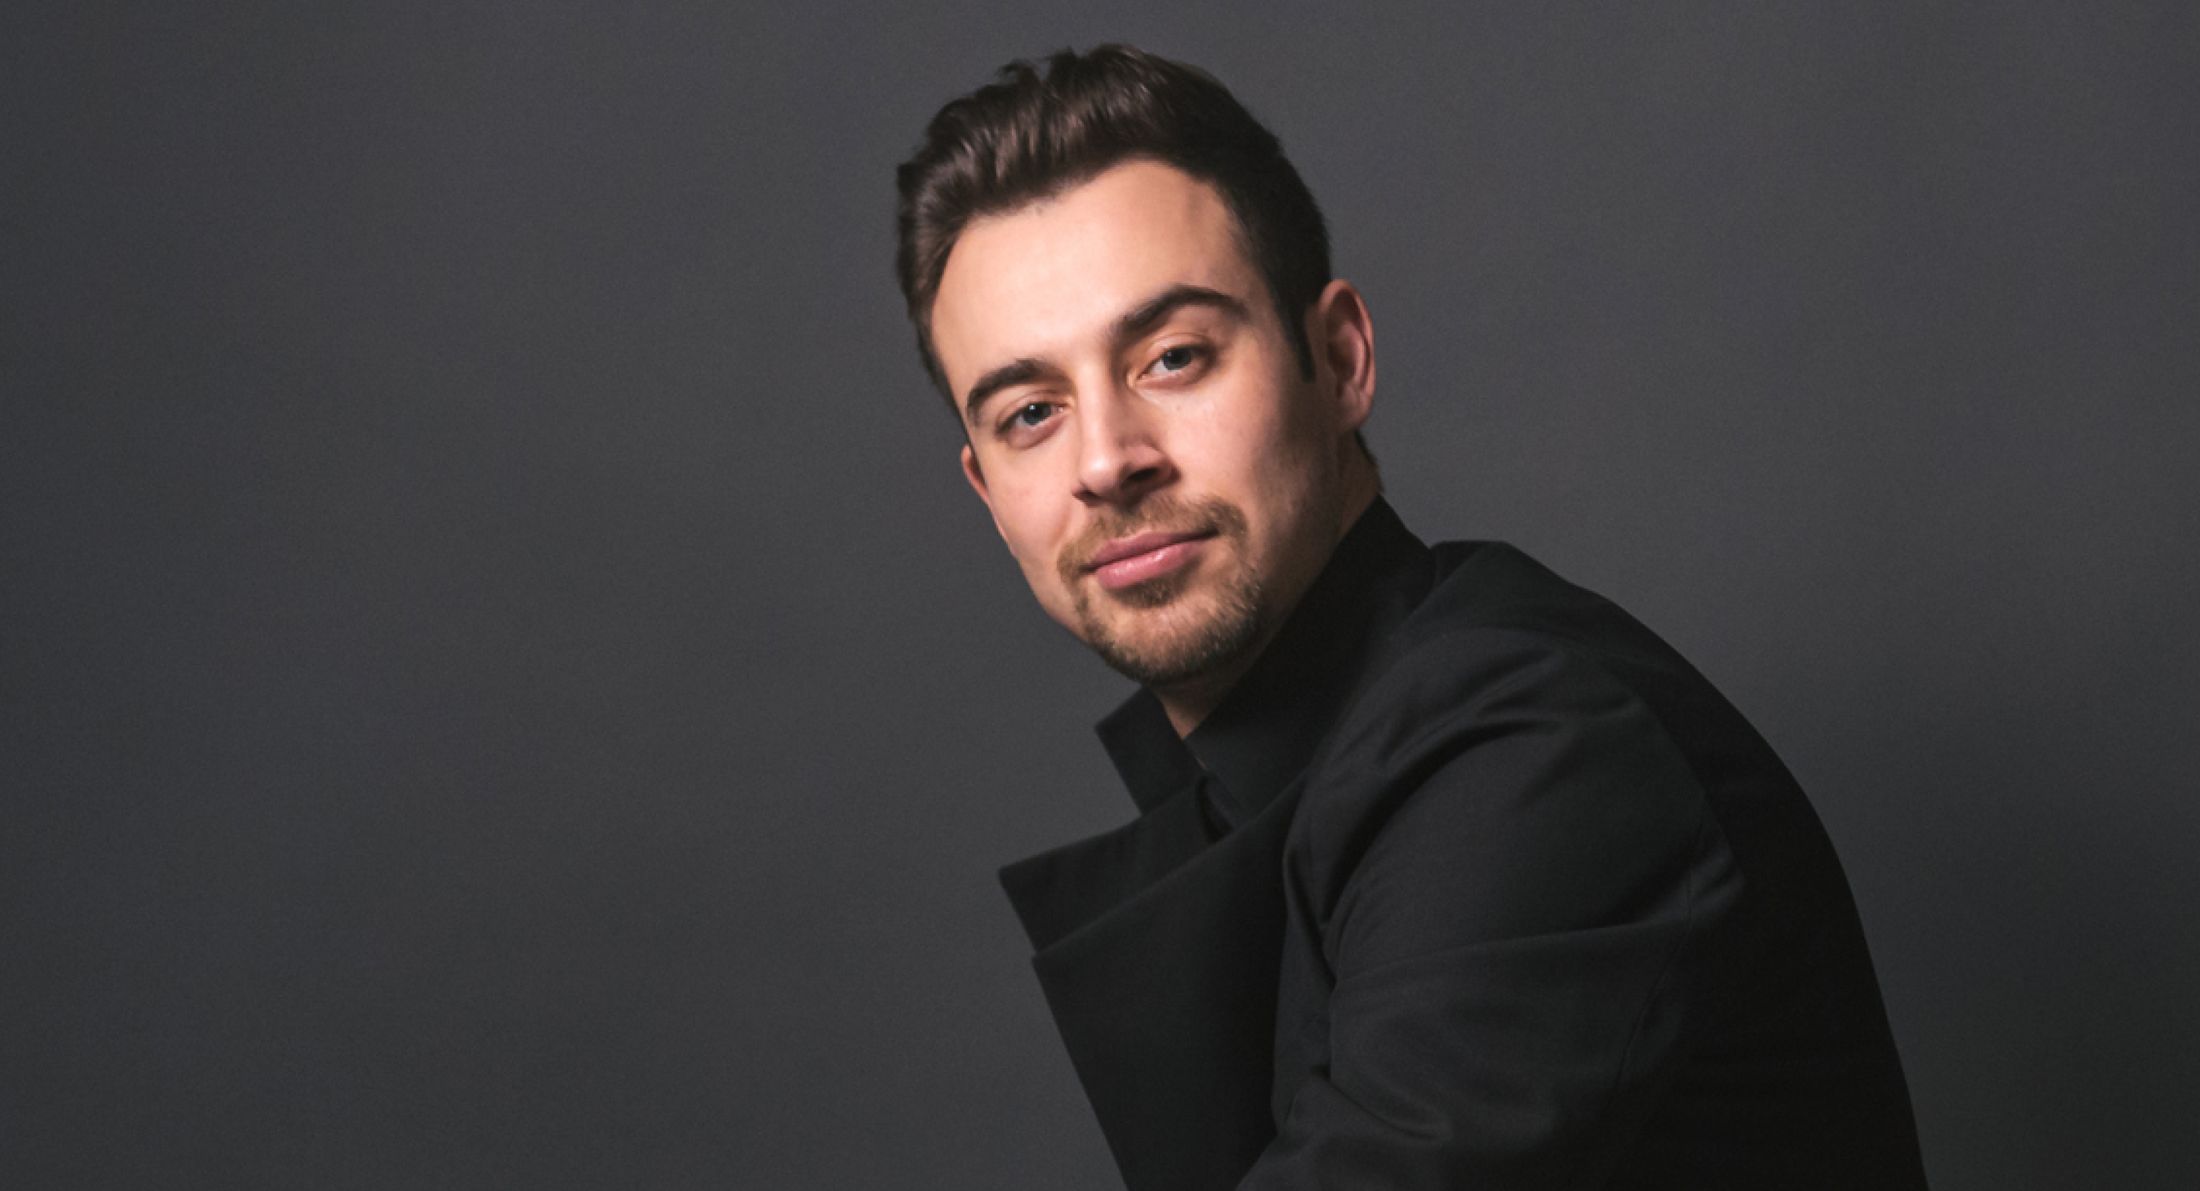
(1129, 564)
(1145, 543)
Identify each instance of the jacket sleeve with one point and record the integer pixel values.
(1515, 876)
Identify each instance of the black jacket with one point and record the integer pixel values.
(1471, 882)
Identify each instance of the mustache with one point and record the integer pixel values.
(1211, 515)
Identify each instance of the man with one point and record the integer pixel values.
(1446, 873)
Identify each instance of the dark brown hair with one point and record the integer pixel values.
(1028, 136)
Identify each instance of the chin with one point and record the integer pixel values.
(1167, 642)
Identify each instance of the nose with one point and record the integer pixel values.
(1119, 458)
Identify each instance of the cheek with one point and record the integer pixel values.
(1032, 531)
(1045, 581)
(1294, 477)
(1275, 459)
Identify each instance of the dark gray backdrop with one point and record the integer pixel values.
(503, 685)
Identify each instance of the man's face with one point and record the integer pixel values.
(1165, 475)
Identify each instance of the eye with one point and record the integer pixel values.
(1178, 362)
(1024, 423)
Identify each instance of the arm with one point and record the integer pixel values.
(1514, 872)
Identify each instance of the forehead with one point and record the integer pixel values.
(1048, 279)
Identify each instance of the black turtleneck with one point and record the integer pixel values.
(1266, 729)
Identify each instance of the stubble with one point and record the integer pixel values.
(1178, 626)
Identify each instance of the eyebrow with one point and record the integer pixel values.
(1129, 325)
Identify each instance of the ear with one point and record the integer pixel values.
(976, 475)
(1343, 338)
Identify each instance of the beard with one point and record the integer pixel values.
(1165, 631)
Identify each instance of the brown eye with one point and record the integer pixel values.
(1177, 359)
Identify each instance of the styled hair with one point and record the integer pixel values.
(1030, 135)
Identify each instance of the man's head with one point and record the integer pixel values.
(1165, 433)
(1032, 135)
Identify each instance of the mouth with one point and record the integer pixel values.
(1127, 562)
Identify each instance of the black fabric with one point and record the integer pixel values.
(1272, 723)
(1152, 762)
(1471, 882)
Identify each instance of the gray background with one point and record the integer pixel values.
(503, 685)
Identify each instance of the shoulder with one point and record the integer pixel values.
(1507, 733)
(1483, 699)
(1500, 644)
